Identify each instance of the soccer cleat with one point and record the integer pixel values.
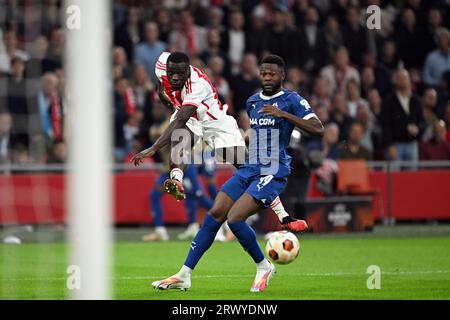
(190, 232)
(262, 278)
(172, 283)
(156, 236)
(294, 225)
(175, 188)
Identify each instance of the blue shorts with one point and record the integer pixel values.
(263, 188)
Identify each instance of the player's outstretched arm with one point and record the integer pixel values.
(312, 126)
(179, 122)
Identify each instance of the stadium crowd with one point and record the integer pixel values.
(382, 94)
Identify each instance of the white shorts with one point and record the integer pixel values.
(221, 133)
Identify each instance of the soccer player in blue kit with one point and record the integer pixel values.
(273, 113)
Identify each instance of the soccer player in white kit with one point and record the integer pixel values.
(199, 109)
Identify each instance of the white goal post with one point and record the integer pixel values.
(87, 68)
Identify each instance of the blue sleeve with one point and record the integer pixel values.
(301, 108)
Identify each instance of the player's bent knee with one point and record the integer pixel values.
(218, 214)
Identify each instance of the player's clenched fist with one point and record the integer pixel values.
(271, 110)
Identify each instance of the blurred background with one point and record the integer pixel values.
(383, 96)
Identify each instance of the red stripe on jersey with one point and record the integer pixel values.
(160, 64)
(160, 68)
(202, 75)
(204, 103)
(209, 114)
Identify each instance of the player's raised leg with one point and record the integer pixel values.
(244, 207)
(180, 157)
(201, 243)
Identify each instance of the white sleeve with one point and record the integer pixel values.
(160, 66)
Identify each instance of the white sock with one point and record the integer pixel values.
(185, 272)
(278, 208)
(176, 174)
(263, 264)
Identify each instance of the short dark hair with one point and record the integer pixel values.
(274, 59)
(178, 57)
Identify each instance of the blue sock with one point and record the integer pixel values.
(203, 240)
(247, 237)
(212, 190)
(191, 208)
(155, 200)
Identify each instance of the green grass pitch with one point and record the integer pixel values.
(328, 267)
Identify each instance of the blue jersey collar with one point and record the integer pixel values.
(262, 96)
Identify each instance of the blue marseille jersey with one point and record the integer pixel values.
(270, 136)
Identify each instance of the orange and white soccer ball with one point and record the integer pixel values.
(282, 247)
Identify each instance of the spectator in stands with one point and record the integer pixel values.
(322, 113)
(321, 94)
(433, 25)
(213, 43)
(402, 120)
(381, 75)
(339, 115)
(313, 46)
(124, 107)
(407, 37)
(367, 120)
(148, 52)
(144, 94)
(56, 49)
(245, 83)
(4, 58)
(447, 121)
(328, 144)
(121, 67)
(354, 97)
(50, 17)
(130, 33)
(199, 12)
(256, 39)
(11, 50)
(333, 36)
(187, 36)
(295, 80)
(352, 147)
(437, 148)
(438, 61)
(58, 154)
(215, 19)
(233, 40)
(16, 102)
(216, 66)
(282, 40)
(340, 72)
(429, 101)
(39, 63)
(374, 100)
(356, 38)
(389, 56)
(164, 21)
(6, 137)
